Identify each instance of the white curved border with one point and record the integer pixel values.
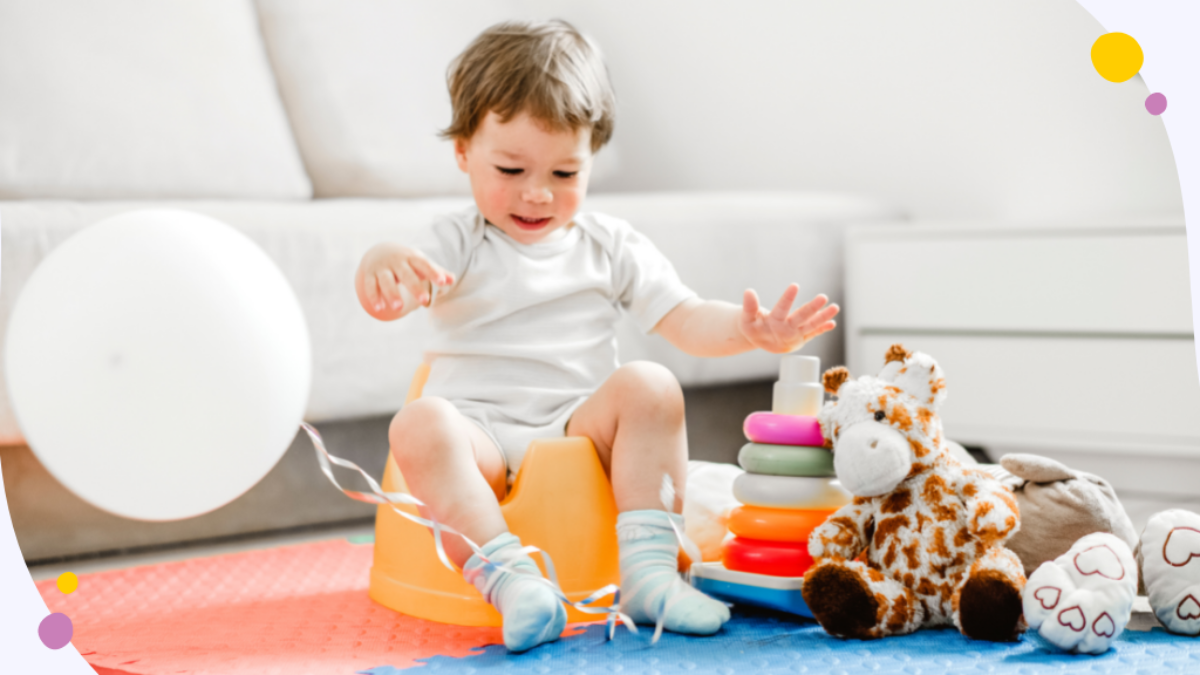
(22, 609)
(1165, 31)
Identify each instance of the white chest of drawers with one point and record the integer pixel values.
(1066, 340)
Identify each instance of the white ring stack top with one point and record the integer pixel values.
(799, 390)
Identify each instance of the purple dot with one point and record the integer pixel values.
(1156, 104)
(56, 630)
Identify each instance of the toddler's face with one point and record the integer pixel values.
(527, 180)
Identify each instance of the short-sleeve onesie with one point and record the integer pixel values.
(528, 331)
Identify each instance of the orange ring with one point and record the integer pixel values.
(756, 522)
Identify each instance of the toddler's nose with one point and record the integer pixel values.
(539, 195)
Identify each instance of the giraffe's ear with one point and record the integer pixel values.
(834, 378)
(919, 375)
(896, 352)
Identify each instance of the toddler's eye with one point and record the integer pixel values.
(880, 415)
(565, 174)
(507, 171)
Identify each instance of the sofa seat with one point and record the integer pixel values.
(720, 243)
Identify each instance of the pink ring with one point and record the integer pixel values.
(766, 427)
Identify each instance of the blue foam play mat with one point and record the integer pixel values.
(766, 642)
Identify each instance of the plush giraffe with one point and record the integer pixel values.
(922, 543)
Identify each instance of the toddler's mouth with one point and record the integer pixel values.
(530, 223)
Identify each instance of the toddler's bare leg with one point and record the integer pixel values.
(454, 467)
(450, 464)
(636, 421)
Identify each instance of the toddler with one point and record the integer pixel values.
(524, 292)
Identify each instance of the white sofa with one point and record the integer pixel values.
(311, 126)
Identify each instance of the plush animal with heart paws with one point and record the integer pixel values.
(1082, 600)
(922, 544)
(1169, 557)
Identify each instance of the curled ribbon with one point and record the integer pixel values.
(391, 499)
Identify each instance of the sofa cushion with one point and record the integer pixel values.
(140, 99)
(364, 83)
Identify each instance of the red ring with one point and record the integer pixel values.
(773, 558)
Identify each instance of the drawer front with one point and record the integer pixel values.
(1102, 395)
(1091, 281)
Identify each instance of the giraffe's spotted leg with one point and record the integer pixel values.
(989, 600)
(851, 600)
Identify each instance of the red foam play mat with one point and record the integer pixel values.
(296, 610)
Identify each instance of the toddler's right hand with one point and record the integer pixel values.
(386, 269)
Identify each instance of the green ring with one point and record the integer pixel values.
(786, 460)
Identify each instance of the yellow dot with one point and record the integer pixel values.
(68, 582)
(1116, 56)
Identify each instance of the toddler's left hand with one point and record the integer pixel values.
(779, 332)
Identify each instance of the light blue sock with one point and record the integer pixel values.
(532, 613)
(650, 578)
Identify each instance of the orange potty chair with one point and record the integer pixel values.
(560, 502)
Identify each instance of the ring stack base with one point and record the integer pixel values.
(778, 593)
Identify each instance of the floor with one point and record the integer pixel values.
(769, 643)
(247, 595)
(51, 571)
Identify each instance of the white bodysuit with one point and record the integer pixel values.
(528, 332)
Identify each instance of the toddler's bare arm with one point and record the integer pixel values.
(716, 328)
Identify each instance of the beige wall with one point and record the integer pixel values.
(949, 109)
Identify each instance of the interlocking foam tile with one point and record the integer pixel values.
(295, 610)
(761, 642)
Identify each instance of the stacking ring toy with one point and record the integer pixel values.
(773, 558)
(786, 460)
(754, 522)
(789, 492)
(766, 427)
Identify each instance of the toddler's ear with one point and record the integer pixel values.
(460, 153)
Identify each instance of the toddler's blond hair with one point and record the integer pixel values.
(547, 69)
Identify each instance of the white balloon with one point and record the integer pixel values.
(158, 364)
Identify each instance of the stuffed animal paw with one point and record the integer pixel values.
(1168, 551)
(1082, 600)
